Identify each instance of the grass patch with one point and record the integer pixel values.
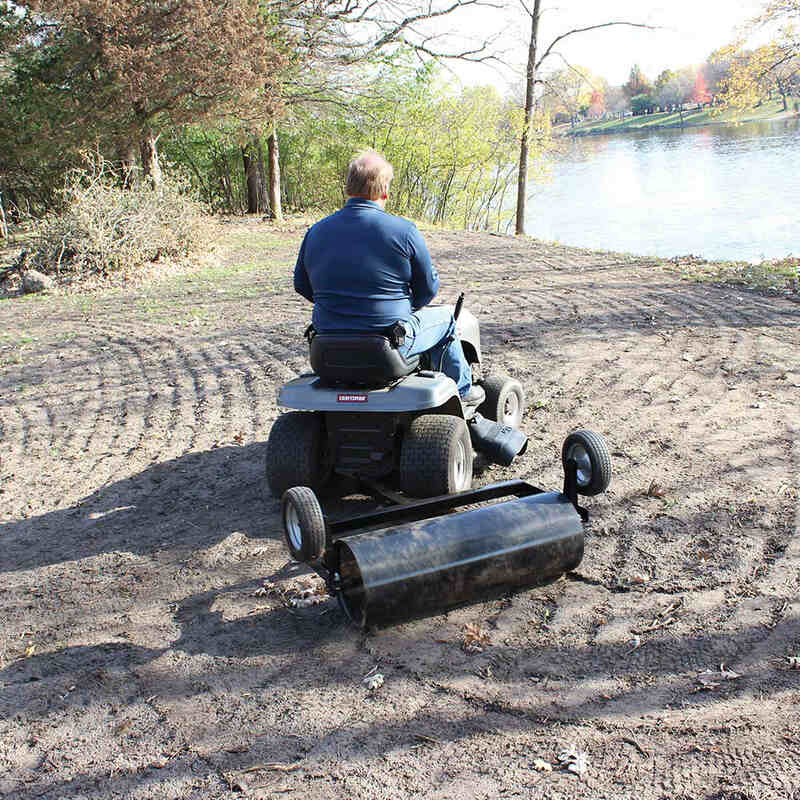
(780, 276)
(670, 119)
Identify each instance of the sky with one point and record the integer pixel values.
(689, 30)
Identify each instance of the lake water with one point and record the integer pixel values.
(720, 192)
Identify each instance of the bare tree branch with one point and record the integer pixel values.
(563, 36)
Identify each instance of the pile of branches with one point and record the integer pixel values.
(109, 224)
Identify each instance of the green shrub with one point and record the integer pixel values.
(105, 227)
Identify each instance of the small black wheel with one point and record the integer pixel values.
(297, 452)
(505, 400)
(436, 456)
(303, 523)
(591, 454)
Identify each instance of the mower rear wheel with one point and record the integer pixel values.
(303, 523)
(505, 400)
(297, 452)
(436, 456)
(593, 459)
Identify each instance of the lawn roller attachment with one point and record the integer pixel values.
(429, 566)
(427, 556)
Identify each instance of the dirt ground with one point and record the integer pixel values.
(140, 656)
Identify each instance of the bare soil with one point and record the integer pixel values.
(139, 658)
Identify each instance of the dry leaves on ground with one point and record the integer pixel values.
(711, 679)
(373, 679)
(574, 760)
(475, 638)
(301, 593)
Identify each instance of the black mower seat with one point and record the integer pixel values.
(361, 359)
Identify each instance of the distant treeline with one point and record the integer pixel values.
(730, 76)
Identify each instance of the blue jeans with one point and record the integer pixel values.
(432, 329)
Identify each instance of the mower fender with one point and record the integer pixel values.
(469, 333)
(421, 391)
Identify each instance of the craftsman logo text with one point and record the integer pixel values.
(352, 398)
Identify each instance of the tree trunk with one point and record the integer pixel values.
(263, 193)
(3, 224)
(127, 160)
(251, 180)
(253, 160)
(530, 82)
(274, 177)
(151, 169)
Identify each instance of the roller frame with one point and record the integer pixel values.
(418, 510)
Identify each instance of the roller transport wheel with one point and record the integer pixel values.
(303, 524)
(296, 452)
(591, 454)
(505, 400)
(436, 456)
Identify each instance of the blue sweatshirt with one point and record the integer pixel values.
(364, 269)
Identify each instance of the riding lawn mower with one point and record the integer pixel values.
(368, 412)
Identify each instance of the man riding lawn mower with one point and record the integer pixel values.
(392, 392)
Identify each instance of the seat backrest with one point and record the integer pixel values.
(358, 359)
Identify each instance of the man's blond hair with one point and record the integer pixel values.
(369, 175)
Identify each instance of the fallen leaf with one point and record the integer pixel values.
(574, 760)
(579, 765)
(475, 638)
(373, 682)
(30, 650)
(712, 678)
(305, 602)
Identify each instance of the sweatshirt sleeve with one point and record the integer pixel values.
(302, 284)
(424, 277)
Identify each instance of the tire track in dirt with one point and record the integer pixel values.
(124, 414)
(117, 422)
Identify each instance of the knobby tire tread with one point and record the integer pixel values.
(294, 452)
(426, 453)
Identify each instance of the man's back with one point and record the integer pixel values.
(364, 269)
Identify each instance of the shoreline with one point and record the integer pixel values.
(626, 127)
(773, 276)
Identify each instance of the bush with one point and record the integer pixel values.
(105, 226)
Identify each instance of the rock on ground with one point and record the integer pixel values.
(35, 281)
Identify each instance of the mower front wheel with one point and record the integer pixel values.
(297, 452)
(505, 400)
(592, 458)
(436, 456)
(303, 524)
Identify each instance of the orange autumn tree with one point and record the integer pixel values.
(129, 68)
